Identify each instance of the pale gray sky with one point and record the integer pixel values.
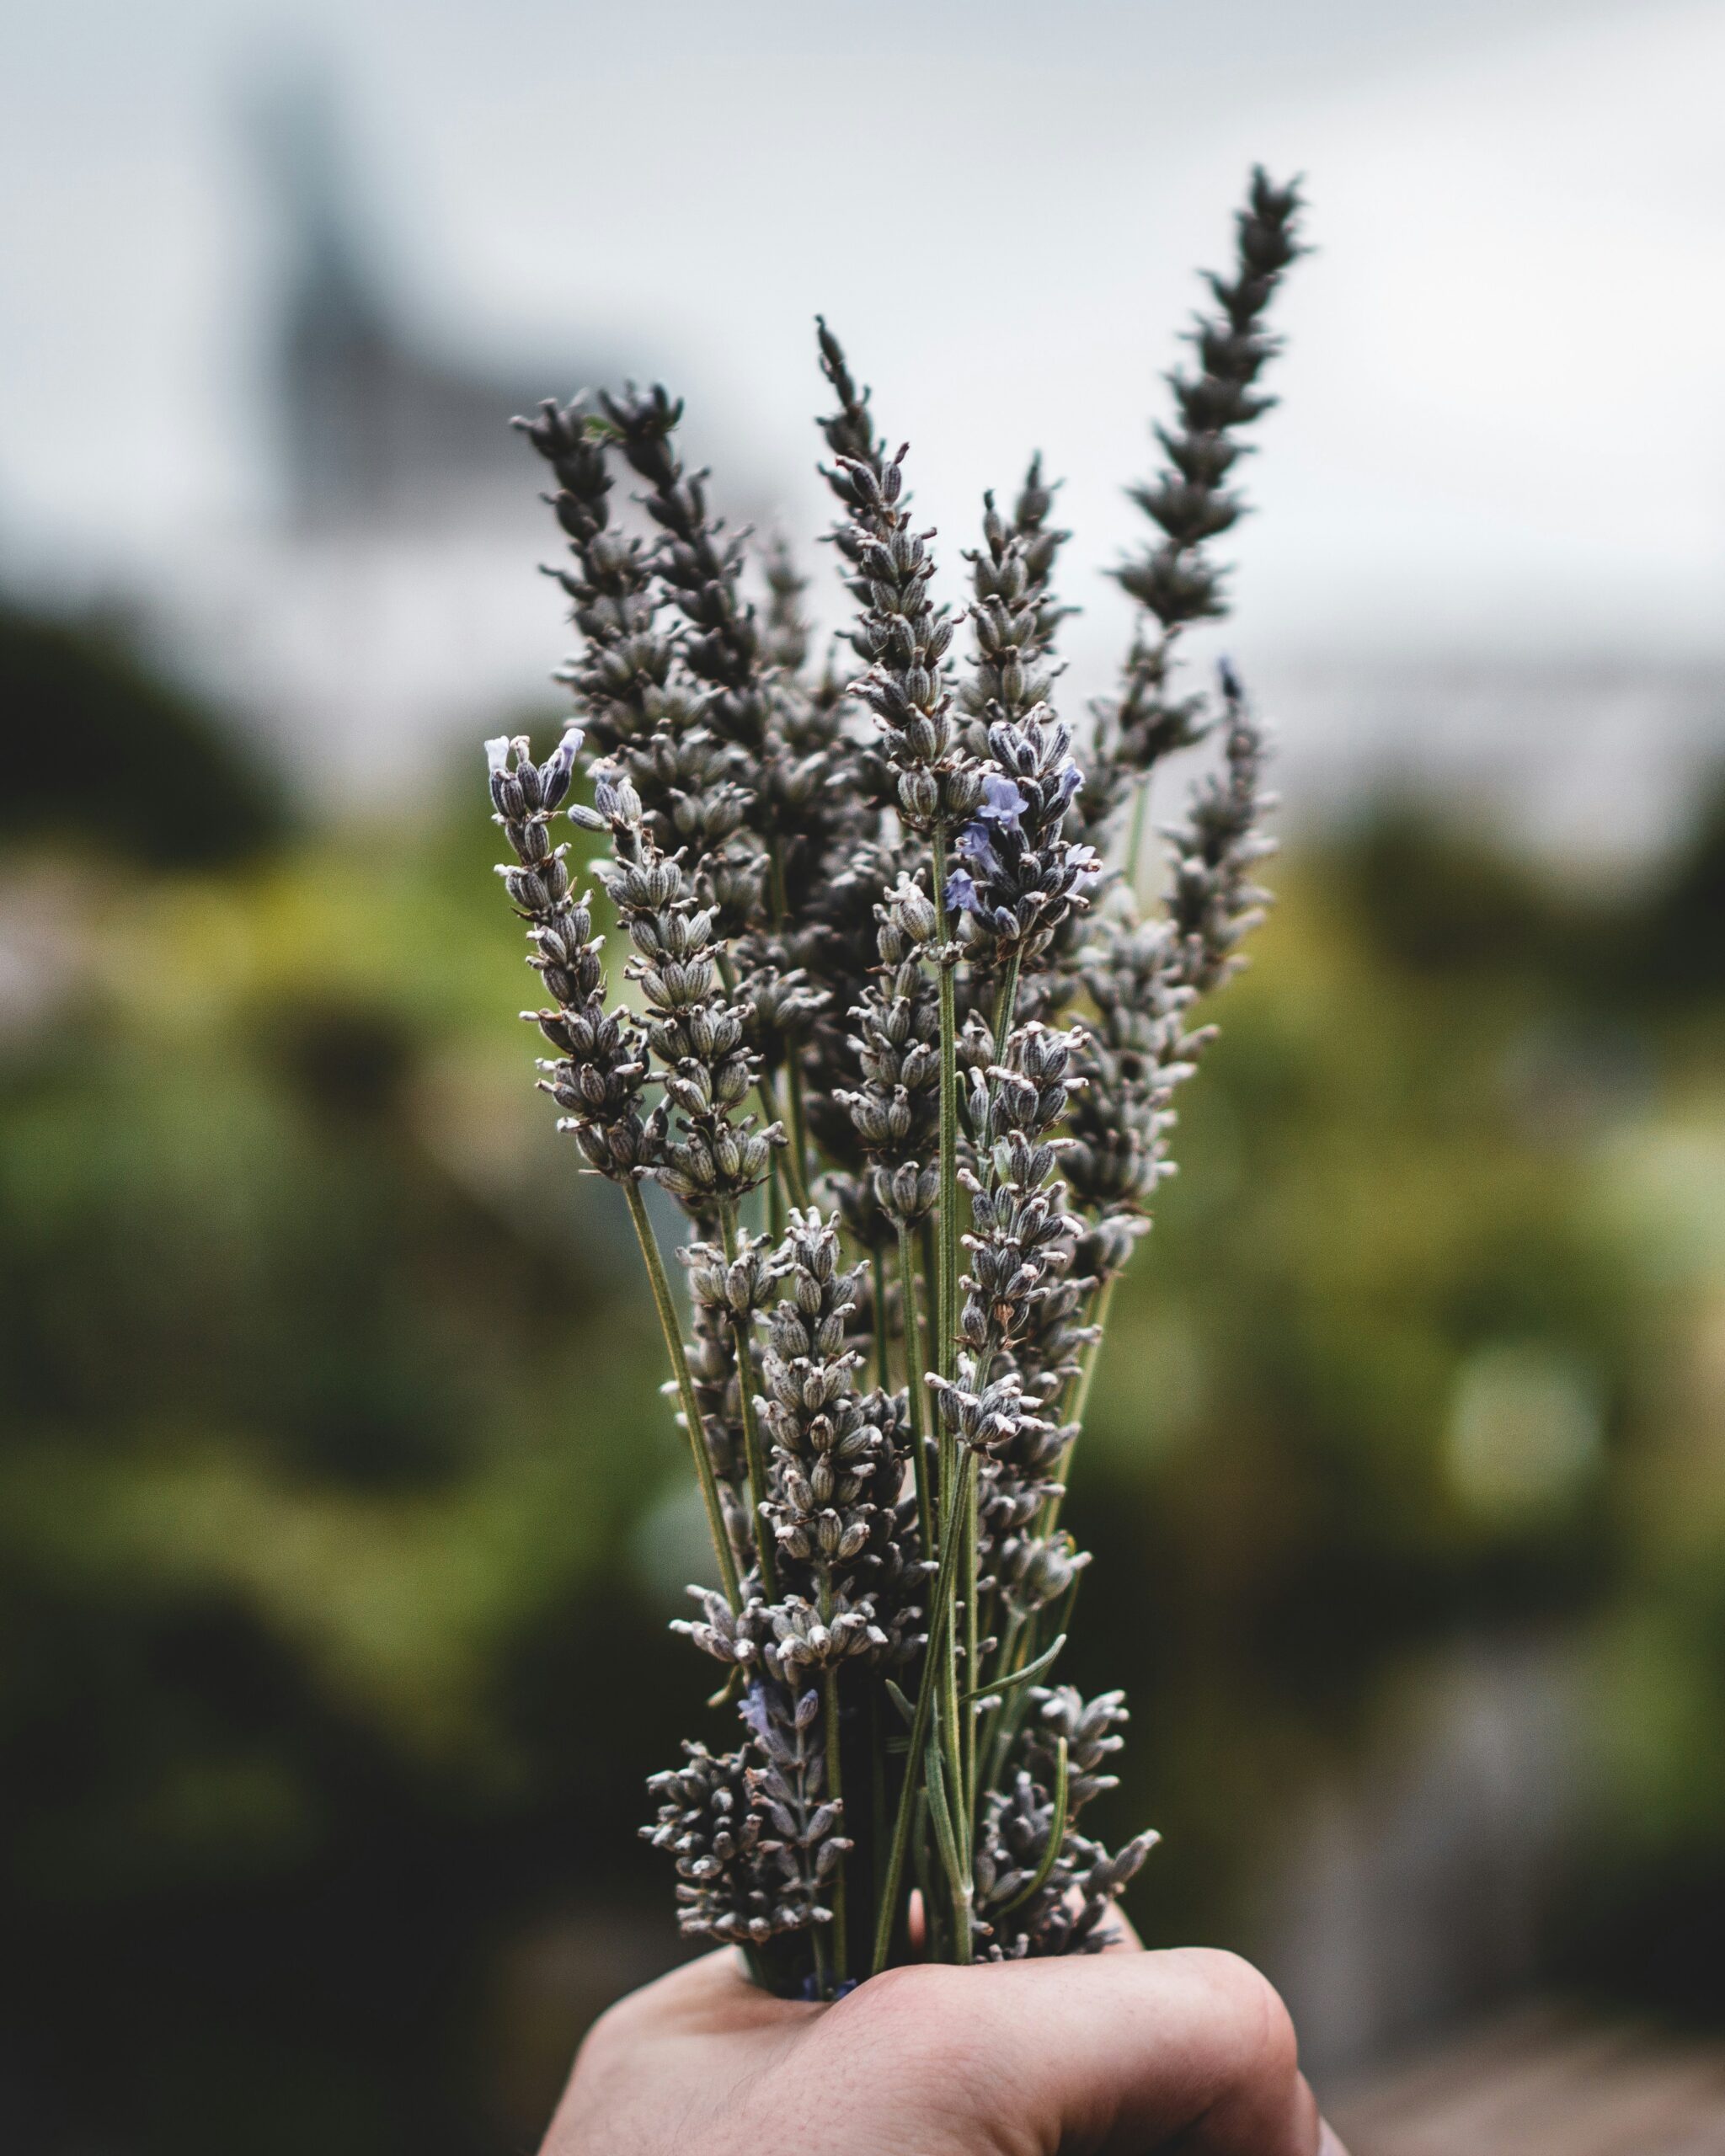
(1503, 397)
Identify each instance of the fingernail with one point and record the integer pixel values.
(1327, 2144)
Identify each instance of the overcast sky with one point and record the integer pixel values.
(1503, 394)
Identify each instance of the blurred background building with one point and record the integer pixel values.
(378, 432)
(379, 604)
(325, 1491)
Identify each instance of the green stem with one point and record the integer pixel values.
(957, 1726)
(1000, 1736)
(778, 1172)
(939, 1619)
(1004, 1006)
(930, 1274)
(877, 1798)
(796, 1154)
(883, 1358)
(953, 1716)
(1073, 1408)
(968, 1793)
(794, 1157)
(948, 1284)
(1024, 1639)
(754, 1451)
(1013, 1706)
(1093, 1350)
(955, 1866)
(934, 1910)
(1134, 840)
(917, 1395)
(767, 1096)
(666, 1308)
(835, 1781)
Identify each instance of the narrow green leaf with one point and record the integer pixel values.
(945, 1839)
(1010, 1683)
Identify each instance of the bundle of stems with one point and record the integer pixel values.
(900, 1045)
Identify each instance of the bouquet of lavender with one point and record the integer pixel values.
(903, 1051)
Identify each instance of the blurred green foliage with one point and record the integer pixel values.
(340, 1517)
(88, 729)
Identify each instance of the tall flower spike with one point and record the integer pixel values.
(1174, 580)
(783, 751)
(726, 1884)
(1016, 878)
(849, 432)
(831, 1461)
(722, 1292)
(713, 1154)
(622, 678)
(1015, 614)
(601, 1068)
(789, 630)
(636, 699)
(799, 1821)
(1212, 902)
(895, 1110)
(700, 566)
(1042, 543)
(1022, 1235)
(901, 635)
(1137, 1050)
(814, 789)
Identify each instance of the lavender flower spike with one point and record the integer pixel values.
(899, 1047)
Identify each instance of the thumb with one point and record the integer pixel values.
(1120, 2053)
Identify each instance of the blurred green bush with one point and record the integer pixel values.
(340, 1516)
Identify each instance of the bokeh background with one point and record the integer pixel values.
(339, 1518)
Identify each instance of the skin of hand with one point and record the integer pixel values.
(1125, 2053)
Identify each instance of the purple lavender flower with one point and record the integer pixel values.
(1087, 866)
(961, 893)
(752, 1707)
(520, 787)
(1022, 878)
(976, 845)
(1001, 803)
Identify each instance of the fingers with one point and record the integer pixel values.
(1122, 2053)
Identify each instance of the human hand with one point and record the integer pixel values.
(1124, 2053)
